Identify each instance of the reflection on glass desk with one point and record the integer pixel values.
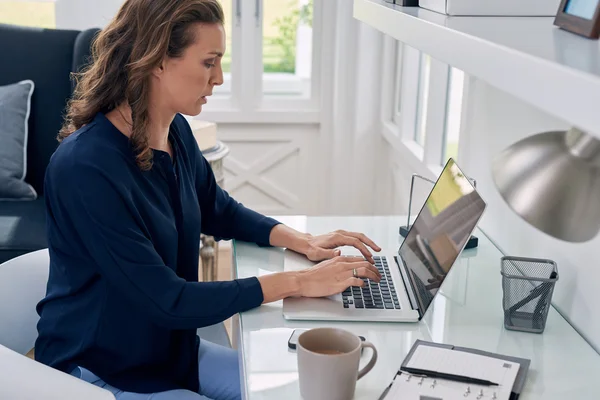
(467, 311)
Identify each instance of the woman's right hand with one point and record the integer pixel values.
(335, 275)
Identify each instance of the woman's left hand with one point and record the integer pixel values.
(323, 247)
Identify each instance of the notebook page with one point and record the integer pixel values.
(461, 363)
(402, 390)
(416, 388)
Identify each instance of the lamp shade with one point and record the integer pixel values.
(552, 180)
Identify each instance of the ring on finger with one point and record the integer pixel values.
(354, 273)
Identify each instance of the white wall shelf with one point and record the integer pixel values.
(528, 57)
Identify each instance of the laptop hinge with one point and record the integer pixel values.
(409, 288)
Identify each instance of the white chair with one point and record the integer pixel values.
(22, 378)
(22, 285)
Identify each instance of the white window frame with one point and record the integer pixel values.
(458, 108)
(397, 106)
(392, 72)
(246, 102)
(399, 128)
(391, 61)
(436, 113)
(401, 84)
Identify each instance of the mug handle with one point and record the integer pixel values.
(371, 363)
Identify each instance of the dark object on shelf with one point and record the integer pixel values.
(406, 3)
(473, 240)
(527, 285)
(580, 17)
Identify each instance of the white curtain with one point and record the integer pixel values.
(351, 111)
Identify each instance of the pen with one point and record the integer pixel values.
(385, 392)
(387, 389)
(450, 377)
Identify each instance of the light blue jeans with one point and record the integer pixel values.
(218, 371)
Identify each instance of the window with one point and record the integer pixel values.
(453, 114)
(224, 91)
(404, 96)
(228, 13)
(287, 47)
(422, 101)
(270, 65)
(40, 14)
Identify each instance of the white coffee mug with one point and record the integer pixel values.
(328, 361)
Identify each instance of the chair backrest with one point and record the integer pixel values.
(23, 283)
(47, 57)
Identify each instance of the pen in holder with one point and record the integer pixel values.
(473, 241)
(527, 284)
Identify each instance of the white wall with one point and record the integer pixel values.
(80, 15)
(280, 169)
(331, 168)
(350, 101)
(272, 168)
(493, 121)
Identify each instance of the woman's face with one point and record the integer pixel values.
(183, 84)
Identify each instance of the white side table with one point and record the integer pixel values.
(214, 151)
(209, 252)
(215, 158)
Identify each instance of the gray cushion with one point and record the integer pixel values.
(15, 105)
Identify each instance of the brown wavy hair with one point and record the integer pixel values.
(123, 57)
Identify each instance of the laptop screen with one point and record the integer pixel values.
(440, 232)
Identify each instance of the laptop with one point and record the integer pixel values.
(411, 275)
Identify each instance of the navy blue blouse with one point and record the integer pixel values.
(123, 298)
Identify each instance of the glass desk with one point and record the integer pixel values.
(466, 312)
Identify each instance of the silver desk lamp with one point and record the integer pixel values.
(552, 180)
(473, 240)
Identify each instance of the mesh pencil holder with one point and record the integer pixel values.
(527, 285)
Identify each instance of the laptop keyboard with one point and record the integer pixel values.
(375, 295)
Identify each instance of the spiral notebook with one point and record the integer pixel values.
(433, 371)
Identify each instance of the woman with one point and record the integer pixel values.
(128, 194)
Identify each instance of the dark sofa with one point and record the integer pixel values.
(47, 57)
